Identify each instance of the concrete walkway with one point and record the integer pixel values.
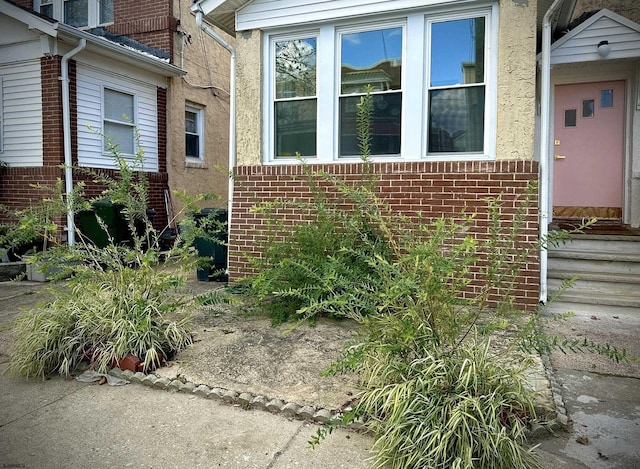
(67, 424)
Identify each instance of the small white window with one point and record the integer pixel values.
(78, 13)
(194, 132)
(119, 121)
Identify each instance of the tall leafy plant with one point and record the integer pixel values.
(125, 298)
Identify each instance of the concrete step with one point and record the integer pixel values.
(594, 265)
(599, 291)
(594, 306)
(600, 244)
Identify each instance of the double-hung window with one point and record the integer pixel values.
(119, 121)
(78, 13)
(431, 76)
(295, 97)
(194, 132)
(371, 60)
(456, 84)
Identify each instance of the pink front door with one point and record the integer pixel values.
(588, 150)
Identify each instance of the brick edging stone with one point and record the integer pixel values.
(245, 400)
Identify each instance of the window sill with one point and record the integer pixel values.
(195, 163)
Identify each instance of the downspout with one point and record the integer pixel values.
(232, 109)
(66, 131)
(545, 119)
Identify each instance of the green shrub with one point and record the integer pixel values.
(124, 298)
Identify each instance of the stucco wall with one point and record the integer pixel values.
(206, 84)
(516, 80)
(249, 101)
(516, 86)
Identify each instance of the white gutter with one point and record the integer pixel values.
(232, 107)
(66, 131)
(545, 121)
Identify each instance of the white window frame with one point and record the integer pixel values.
(93, 15)
(131, 124)
(199, 112)
(414, 125)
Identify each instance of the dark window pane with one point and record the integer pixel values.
(47, 10)
(457, 52)
(456, 120)
(295, 128)
(606, 98)
(371, 58)
(588, 106)
(192, 145)
(570, 118)
(295, 68)
(385, 125)
(76, 13)
(106, 11)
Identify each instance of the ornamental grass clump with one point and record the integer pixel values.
(125, 298)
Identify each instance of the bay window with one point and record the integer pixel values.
(432, 79)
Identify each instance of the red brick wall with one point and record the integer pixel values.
(432, 188)
(150, 22)
(53, 153)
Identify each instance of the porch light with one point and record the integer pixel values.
(604, 48)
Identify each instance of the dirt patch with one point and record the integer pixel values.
(246, 354)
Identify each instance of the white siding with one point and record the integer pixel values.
(582, 46)
(91, 81)
(22, 114)
(261, 14)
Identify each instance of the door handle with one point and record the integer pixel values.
(559, 157)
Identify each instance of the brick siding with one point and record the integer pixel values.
(150, 22)
(432, 188)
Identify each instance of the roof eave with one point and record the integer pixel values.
(116, 51)
(220, 13)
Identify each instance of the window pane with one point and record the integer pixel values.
(295, 68)
(385, 125)
(606, 98)
(191, 122)
(46, 9)
(106, 11)
(76, 12)
(456, 120)
(570, 118)
(371, 58)
(295, 127)
(192, 145)
(121, 135)
(118, 106)
(588, 106)
(457, 52)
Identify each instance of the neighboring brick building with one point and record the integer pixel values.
(141, 69)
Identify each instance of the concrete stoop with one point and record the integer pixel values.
(607, 273)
